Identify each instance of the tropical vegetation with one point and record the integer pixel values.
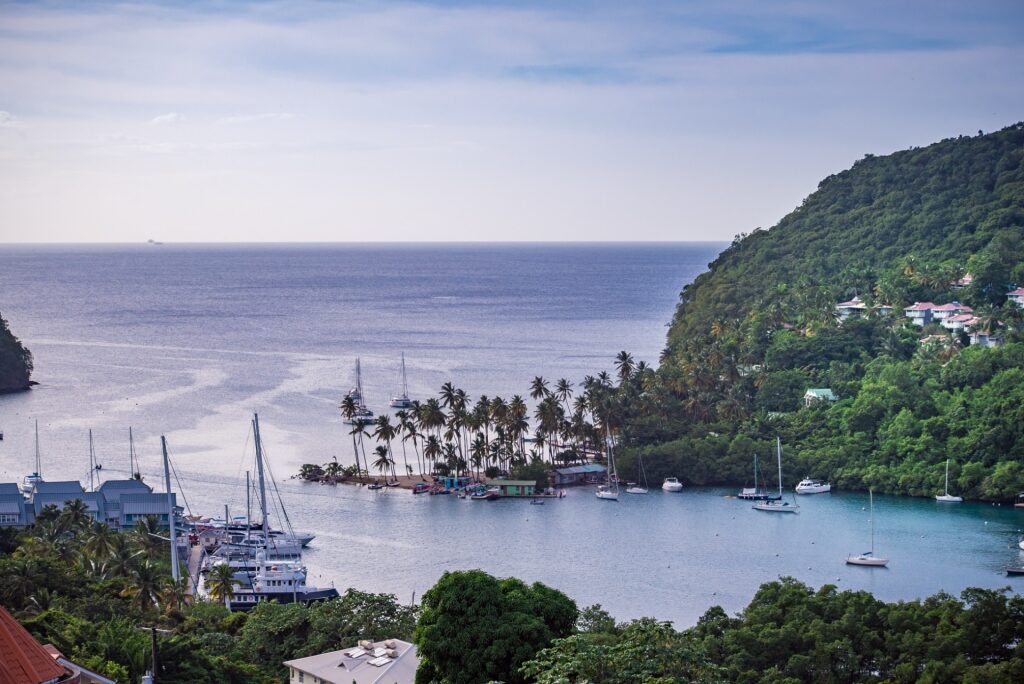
(15, 361)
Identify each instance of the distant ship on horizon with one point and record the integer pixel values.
(153, 242)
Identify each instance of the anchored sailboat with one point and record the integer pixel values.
(755, 493)
(777, 505)
(946, 497)
(869, 558)
(641, 478)
(610, 490)
(362, 413)
(402, 400)
(30, 480)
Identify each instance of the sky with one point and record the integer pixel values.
(473, 121)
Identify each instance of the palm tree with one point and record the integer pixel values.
(144, 586)
(147, 535)
(333, 469)
(174, 593)
(539, 388)
(220, 582)
(99, 543)
(382, 462)
(348, 412)
(432, 449)
(403, 418)
(74, 517)
(624, 366)
(122, 555)
(385, 431)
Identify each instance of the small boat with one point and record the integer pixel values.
(1015, 570)
(672, 484)
(946, 497)
(777, 505)
(536, 502)
(868, 558)
(809, 486)
(402, 400)
(420, 488)
(635, 487)
(1019, 503)
(375, 485)
(490, 494)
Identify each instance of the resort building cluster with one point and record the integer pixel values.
(118, 503)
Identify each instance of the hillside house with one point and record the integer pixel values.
(1016, 296)
(959, 322)
(944, 311)
(392, 661)
(919, 313)
(813, 397)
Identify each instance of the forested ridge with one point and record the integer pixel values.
(942, 223)
(15, 361)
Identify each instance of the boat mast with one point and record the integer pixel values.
(92, 463)
(405, 385)
(778, 446)
(39, 463)
(359, 383)
(248, 506)
(947, 477)
(259, 469)
(871, 515)
(755, 473)
(170, 511)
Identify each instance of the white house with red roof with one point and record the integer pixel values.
(944, 311)
(959, 322)
(1016, 296)
(858, 306)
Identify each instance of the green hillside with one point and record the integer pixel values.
(759, 328)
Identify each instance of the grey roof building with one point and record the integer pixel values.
(382, 662)
(136, 506)
(113, 490)
(59, 493)
(14, 510)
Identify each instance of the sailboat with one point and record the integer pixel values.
(755, 493)
(869, 558)
(30, 480)
(610, 490)
(273, 579)
(946, 497)
(777, 505)
(362, 414)
(402, 401)
(641, 479)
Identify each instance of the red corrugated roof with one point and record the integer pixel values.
(22, 659)
(1019, 292)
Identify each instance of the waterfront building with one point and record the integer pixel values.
(576, 475)
(814, 396)
(112, 491)
(513, 488)
(14, 512)
(58, 493)
(392, 661)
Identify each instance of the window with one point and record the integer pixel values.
(301, 673)
(8, 518)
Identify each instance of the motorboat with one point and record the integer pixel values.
(946, 497)
(868, 558)
(672, 484)
(489, 494)
(776, 504)
(809, 486)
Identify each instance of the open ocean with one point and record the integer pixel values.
(188, 341)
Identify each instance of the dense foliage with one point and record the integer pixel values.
(758, 329)
(15, 361)
(476, 628)
(94, 594)
(790, 634)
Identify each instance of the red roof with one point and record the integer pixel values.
(920, 306)
(22, 659)
(953, 306)
(1019, 292)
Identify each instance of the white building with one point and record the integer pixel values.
(919, 313)
(371, 662)
(1016, 296)
(814, 396)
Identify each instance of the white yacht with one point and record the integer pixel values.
(946, 497)
(402, 400)
(278, 581)
(362, 414)
(672, 484)
(640, 486)
(809, 486)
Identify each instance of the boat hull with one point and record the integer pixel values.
(305, 598)
(607, 496)
(948, 498)
(867, 561)
(636, 490)
(772, 507)
(672, 486)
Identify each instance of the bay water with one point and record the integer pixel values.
(188, 341)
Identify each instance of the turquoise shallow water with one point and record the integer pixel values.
(188, 341)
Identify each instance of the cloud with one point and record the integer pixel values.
(168, 119)
(266, 116)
